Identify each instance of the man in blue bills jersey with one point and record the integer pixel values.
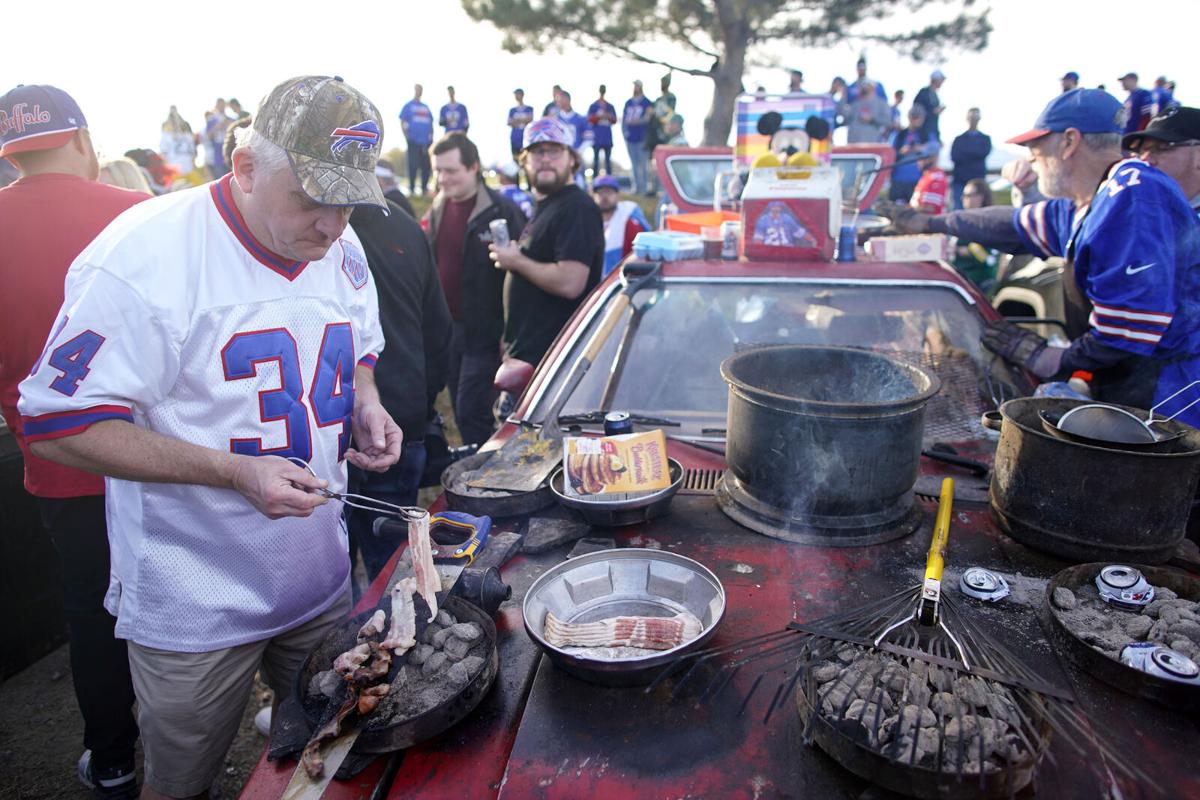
(1132, 245)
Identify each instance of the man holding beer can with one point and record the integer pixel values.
(466, 217)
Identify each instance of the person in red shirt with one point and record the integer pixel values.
(47, 217)
(933, 188)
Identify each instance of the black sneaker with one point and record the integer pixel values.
(118, 783)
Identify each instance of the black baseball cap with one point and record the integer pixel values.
(1176, 124)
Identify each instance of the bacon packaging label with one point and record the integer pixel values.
(630, 464)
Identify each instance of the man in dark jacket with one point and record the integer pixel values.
(928, 99)
(459, 231)
(410, 372)
(969, 154)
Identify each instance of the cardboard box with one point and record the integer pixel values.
(791, 214)
(920, 247)
(612, 465)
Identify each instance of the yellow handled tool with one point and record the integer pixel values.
(931, 591)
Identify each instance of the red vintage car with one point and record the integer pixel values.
(542, 732)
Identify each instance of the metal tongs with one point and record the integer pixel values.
(364, 503)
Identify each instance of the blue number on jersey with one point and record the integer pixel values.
(332, 393)
(72, 359)
(240, 358)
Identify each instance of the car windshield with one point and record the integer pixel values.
(683, 329)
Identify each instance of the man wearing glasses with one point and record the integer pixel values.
(560, 255)
(1171, 142)
(1132, 246)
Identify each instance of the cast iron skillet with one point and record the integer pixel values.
(1172, 694)
(399, 735)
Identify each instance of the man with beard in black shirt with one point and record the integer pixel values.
(561, 253)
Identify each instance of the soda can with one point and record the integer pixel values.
(847, 241)
(1161, 662)
(983, 584)
(617, 423)
(499, 229)
(731, 232)
(1124, 587)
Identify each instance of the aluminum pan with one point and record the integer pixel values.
(624, 581)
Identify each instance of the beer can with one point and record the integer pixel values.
(1162, 662)
(499, 229)
(617, 423)
(731, 232)
(847, 241)
(1124, 587)
(983, 584)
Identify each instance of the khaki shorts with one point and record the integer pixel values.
(190, 704)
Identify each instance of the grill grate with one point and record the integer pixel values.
(700, 481)
(953, 413)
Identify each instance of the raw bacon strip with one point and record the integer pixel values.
(402, 636)
(420, 551)
(373, 626)
(650, 633)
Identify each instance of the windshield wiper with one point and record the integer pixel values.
(597, 418)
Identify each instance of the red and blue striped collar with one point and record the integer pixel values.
(222, 194)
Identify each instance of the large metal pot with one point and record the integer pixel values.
(1090, 503)
(823, 443)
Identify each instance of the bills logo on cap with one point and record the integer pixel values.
(364, 134)
(354, 264)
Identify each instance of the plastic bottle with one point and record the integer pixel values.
(1081, 382)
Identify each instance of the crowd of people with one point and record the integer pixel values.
(184, 346)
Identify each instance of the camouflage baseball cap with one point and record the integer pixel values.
(332, 135)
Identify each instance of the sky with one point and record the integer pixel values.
(126, 63)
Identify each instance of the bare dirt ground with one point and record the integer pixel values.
(41, 730)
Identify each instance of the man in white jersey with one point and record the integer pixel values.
(209, 345)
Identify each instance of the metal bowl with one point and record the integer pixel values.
(614, 513)
(623, 582)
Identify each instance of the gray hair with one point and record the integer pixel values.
(1102, 141)
(269, 157)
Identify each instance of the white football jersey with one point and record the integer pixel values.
(177, 319)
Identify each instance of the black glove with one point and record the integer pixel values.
(1013, 343)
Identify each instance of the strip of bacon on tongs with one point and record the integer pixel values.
(649, 633)
(420, 552)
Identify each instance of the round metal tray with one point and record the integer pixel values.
(623, 582)
(1171, 694)
(614, 513)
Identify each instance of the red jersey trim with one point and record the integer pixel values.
(222, 194)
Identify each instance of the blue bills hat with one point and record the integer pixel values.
(37, 118)
(1085, 110)
(606, 182)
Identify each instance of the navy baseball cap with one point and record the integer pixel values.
(1071, 76)
(1086, 110)
(606, 182)
(37, 118)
